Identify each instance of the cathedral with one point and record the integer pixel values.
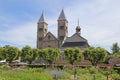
(46, 39)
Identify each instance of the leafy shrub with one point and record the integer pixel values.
(115, 76)
(82, 71)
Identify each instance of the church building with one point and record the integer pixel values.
(46, 39)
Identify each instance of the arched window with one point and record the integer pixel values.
(49, 37)
(40, 29)
(61, 27)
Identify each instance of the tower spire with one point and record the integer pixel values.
(78, 29)
(62, 27)
(42, 18)
(62, 16)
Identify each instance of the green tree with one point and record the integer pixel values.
(93, 71)
(115, 51)
(115, 76)
(116, 55)
(115, 48)
(2, 56)
(35, 54)
(11, 53)
(95, 55)
(29, 54)
(50, 55)
(87, 52)
(107, 73)
(73, 55)
(26, 54)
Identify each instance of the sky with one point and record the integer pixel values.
(99, 20)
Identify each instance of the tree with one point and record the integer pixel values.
(87, 52)
(115, 55)
(93, 71)
(115, 48)
(95, 55)
(2, 56)
(29, 54)
(50, 55)
(73, 55)
(107, 73)
(115, 51)
(11, 53)
(35, 54)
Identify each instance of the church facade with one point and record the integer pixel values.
(46, 39)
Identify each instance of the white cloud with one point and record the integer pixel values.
(22, 35)
(99, 20)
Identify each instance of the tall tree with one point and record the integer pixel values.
(50, 55)
(11, 53)
(87, 52)
(35, 54)
(93, 71)
(73, 55)
(95, 55)
(26, 54)
(115, 48)
(29, 54)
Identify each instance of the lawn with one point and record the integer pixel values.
(7, 73)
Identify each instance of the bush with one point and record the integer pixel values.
(93, 70)
(115, 76)
(82, 71)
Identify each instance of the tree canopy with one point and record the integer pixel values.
(95, 55)
(73, 55)
(2, 56)
(11, 53)
(29, 54)
(50, 55)
(115, 48)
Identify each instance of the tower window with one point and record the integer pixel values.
(40, 39)
(40, 29)
(61, 27)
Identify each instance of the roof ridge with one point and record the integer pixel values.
(51, 34)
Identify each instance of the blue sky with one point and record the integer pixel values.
(99, 20)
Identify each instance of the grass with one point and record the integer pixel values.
(20, 75)
(24, 74)
(6, 73)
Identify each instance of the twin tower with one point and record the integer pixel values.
(47, 39)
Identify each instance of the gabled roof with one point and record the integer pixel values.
(51, 35)
(76, 41)
(42, 18)
(76, 38)
(62, 16)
